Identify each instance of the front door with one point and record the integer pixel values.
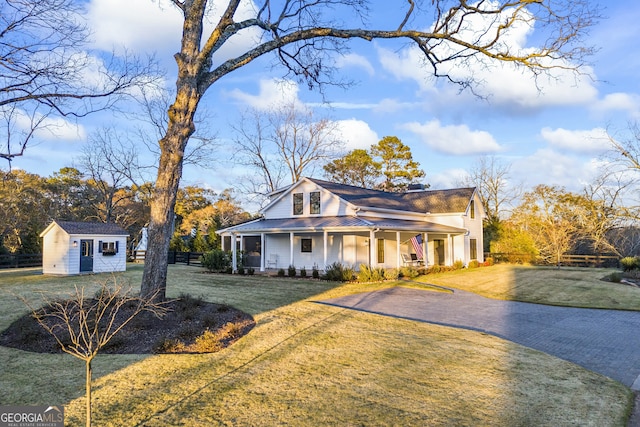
(86, 256)
(438, 249)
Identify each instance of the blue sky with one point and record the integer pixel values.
(554, 137)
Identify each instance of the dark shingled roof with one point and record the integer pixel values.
(433, 201)
(73, 227)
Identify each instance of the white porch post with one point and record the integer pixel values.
(450, 238)
(262, 252)
(291, 248)
(234, 261)
(325, 238)
(425, 246)
(372, 248)
(398, 255)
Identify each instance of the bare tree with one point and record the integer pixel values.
(492, 179)
(44, 73)
(82, 326)
(281, 145)
(303, 36)
(110, 163)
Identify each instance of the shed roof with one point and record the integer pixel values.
(89, 228)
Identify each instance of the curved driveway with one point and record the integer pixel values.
(604, 341)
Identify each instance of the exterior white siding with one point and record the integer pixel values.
(330, 204)
(108, 263)
(62, 252)
(56, 252)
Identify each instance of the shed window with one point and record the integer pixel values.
(108, 248)
(306, 245)
(298, 203)
(314, 201)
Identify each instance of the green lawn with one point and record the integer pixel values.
(311, 364)
(577, 287)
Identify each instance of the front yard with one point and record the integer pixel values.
(312, 364)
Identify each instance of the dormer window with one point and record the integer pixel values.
(314, 202)
(298, 203)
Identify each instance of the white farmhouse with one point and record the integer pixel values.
(316, 223)
(83, 247)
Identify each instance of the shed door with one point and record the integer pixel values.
(86, 255)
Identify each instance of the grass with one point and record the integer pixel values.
(575, 287)
(311, 364)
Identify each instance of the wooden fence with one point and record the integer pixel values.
(189, 258)
(20, 260)
(611, 261)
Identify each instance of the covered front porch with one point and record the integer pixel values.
(312, 242)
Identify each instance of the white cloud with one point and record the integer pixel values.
(353, 60)
(616, 102)
(502, 82)
(271, 94)
(580, 141)
(139, 25)
(356, 134)
(145, 26)
(453, 139)
(549, 167)
(450, 178)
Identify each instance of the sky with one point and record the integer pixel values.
(550, 132)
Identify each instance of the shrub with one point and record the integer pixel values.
(409, 272)
(614, 277)
(216, 260)
(315, 273)
(281, 272)
(630, 263)
(336, 272)
(391, 274)
(458, 265)
(434, 269)
(368, 274)
(474, 263)
(251, 271)
(488, 262)
(291, 271)
(303, 272)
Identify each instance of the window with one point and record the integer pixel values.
(298, 203)
(473, 248)
(306, 245)
(380, 251)
(472, 209)
(315, 202)
(108, 248)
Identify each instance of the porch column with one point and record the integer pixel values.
(234, 261)
(325, 238)
(372, 248)
(425, 246)
(262, 252)
(291, 248)
(398, 255)
(450, 241)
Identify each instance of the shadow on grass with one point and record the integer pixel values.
(39, 379)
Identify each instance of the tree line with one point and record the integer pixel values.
(29, 202)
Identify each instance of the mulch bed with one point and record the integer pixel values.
(187, 319)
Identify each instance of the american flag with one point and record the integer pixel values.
(416, 242)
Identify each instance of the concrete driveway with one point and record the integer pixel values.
(604, 341)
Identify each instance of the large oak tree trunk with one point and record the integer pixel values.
(172, 146)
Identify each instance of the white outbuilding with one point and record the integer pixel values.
(83, 247)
